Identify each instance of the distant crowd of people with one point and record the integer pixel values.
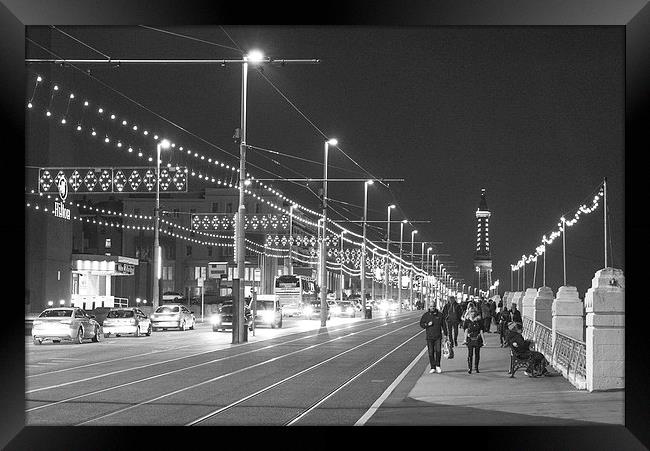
(476, 317)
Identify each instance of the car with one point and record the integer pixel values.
(222, 320)
(344, 308)
(312, 311)
(172, 316)
(267, 313)
(172, 296)
(66, 323)
(130, 320)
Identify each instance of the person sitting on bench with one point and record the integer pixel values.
(521, 350)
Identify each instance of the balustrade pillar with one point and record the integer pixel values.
(605, 335)
(568, 313)
(542, 306)
(528, 303)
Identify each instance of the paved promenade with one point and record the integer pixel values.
(455, 398)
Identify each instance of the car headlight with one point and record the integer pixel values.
(215, 319)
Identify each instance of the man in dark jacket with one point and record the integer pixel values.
(516, 314)
(434, 324)
(486, 316)
(451, 314)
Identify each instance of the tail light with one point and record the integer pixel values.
(132, 321)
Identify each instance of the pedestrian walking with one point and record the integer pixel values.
(451, 314)
(436, 329)
(473, 328)
(516, 314)
(504, 318)
(486, 315)
(493, 313)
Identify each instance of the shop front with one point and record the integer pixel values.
(93, 283)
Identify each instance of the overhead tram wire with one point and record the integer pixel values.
(188, 37)
(81, 42)
(154, 113)
(176, 125)
(306, 118)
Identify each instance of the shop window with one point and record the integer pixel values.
(215, 207)
(107, 243)
(209, 251)
(188, 250)
(229, 207)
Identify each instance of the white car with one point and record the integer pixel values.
(121, 321)
(172, 316)
(65, 323)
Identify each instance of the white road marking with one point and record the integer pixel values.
(216, 412)
(173, 360)
(179, 370)
(349, 381)
(371, 411)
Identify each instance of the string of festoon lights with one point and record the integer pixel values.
(136, 129)
(583, 209)
(101, 113)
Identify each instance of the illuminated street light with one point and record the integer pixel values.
(386, 266)
(363, 245)
(157, 263)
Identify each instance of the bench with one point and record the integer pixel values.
(517, 364)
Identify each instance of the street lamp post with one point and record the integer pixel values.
(429, 249)
(342, 277)
(399, 276)
(386, 266)
(291, 237)
(238, 328)
(323, 246)
(164, 144)
(363, 245)
(412, 267)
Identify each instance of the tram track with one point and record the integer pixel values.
(69, 399)
(243, 370)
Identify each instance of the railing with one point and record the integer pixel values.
(543, 338)
(527, 331)
(570, 357)
(566, 354)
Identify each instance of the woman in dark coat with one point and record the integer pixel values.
(473, 328)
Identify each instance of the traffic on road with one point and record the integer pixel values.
(198, 377)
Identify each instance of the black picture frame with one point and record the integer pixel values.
(633, 15)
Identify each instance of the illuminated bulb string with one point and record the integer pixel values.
(539, 250)
(190, 152)
(134, 128)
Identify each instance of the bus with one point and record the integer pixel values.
(293, 292)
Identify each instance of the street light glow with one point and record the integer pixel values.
(254, 56)
(369, 182)
(332, 142)
(391, 206)
(165, 144)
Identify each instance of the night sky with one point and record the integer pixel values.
(534, 115)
